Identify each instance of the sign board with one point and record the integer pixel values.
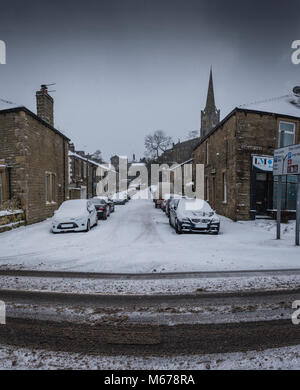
(264, 163)
(287, 161)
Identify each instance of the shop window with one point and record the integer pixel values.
(288, 192)
(286, 134)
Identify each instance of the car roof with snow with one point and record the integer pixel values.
(194, 205)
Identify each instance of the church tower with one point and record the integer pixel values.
(210, 116)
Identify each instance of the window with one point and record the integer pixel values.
(288, 192)
(1, 196)
(48, 194)
(84, 168)
(53, 188)
(206, 188)
(50, 187)
(224, 188)
(286, 134)
(206, 153)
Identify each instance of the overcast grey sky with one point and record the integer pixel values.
(125, 68)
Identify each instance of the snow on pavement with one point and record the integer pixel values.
(151, 286)
(137, 238)
(286, 358)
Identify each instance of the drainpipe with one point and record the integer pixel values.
(64, 174)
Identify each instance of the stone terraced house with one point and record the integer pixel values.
(238, 158)
(33, 159)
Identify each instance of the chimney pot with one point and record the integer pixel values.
(45, 105)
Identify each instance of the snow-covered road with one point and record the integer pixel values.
(138, 238)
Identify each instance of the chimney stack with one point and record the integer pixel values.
(44, 103)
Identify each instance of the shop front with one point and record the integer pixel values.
(262, 185)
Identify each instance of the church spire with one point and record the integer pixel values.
(210, 101)
(210, 116)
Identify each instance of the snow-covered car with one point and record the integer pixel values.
(119, 198)
(108, 200)
(74, 215)
(102, 207)
(170, 202)
(193, 215)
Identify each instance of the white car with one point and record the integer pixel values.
(120, 198)
(193, 215)
(74, 215)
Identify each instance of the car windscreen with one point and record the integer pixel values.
(78, 204)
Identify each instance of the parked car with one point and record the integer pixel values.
(164, 201)
(193, 215)
(170, 201)
(162, 192)
(119, 198)
(163, 204)
(109, 201)
(102, 208)
(74, 215)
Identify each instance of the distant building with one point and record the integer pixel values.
(179, 152)
(34, 159)
(84, 174)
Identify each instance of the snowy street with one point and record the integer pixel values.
(137, 238)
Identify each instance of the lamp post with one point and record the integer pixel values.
(279, 195)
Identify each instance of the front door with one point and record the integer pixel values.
(261, 193)
(83, 192)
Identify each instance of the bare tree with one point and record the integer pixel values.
(193, 134)
(157, 143)
(97, 156)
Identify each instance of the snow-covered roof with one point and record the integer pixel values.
(73, 154)
(180, 165)
(280, 106)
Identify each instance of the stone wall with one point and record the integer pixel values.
(31, 148)
(221, 159)
(231, 145)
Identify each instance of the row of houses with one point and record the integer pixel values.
(39, 167)
(237, 155)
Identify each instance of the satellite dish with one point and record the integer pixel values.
(296, 91)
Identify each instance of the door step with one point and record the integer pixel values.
(263, 217)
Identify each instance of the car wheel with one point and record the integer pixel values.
(178, 228)
(105, 216)
(88, 226)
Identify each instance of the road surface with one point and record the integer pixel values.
(137, 238)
